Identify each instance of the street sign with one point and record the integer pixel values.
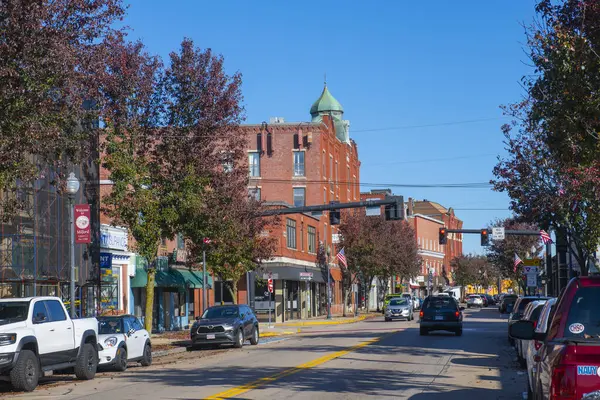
(271, 276)
(336, 238)
(270, 285)
(531, 280)
(373, 211)
(82, 223)
(533, 262)
(530, 270)
(498, 233)
(306, 276)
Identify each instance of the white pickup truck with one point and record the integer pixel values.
(38, 337)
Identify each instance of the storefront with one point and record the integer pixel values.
(117, 264)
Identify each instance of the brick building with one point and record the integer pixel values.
(454, 246)
(297, 164)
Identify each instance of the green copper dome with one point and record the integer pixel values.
(325, 103)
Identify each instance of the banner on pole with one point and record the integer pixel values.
(82, 223)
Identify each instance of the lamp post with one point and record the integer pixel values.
(72, 189)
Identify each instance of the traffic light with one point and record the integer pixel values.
(485, 238)
(443, 236)
(334, 215)
(394, 212)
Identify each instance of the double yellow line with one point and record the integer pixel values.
(236, 391)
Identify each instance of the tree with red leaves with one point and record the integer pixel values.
(552, 172)
(50, 53)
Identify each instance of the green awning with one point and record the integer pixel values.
(140, 279)
(194, 278)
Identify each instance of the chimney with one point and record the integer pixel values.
(411, 205)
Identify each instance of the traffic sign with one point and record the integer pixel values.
(533, 261)
(498, 233)
(529, 269)
(270, 285)
(532, 280)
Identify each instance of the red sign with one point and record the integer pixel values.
(270, 285)
(81, 215)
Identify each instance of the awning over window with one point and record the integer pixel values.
(171, 278)
(336, 274)
(140, 279)
(193, 279)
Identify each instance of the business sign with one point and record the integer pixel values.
(306, 276)
(106, 273)
(533, 262)
(113, 238)
(82, 228)
(498, 233)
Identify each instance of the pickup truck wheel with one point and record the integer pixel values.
(87, 363)
(147, 358)
(26, 373)
(121, 359)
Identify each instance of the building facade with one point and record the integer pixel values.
(298, 164)
(431, 279)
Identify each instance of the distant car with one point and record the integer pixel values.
(232, 324)
(387, 299)
(122, 339)
(506, 302)
(441, 313)
(399, 308)
(474, 300)
(567, 366)
(490, 300)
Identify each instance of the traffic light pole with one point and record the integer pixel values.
(337, 206)
(506, 232)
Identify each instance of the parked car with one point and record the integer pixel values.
(533, 346)
(474, 300)
(122, 339)
(531, 313)
(387, 299)
(37, 336)
(568, 359)
(441, 313)
(508, 301)
(399, 308)
(232, 324)
(517, 312)
(490, 299)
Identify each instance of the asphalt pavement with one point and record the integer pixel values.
(370, 359)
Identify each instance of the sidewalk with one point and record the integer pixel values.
(168, 342)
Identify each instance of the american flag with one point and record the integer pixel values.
(206, 241)
(342, 257)
(545, 237)
(517, 261)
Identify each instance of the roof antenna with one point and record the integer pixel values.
(325, 79)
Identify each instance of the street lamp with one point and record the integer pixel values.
(328, 251)
(72, 189)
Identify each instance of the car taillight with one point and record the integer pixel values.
(563, 383)
(421, 314)
(535, 324)
(537, 344)
(457, 314)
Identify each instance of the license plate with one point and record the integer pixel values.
(439, 317)
(210, 336)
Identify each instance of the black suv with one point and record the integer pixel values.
(441, 313)
(225, 325)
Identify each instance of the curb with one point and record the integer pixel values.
(319, 323)
(162, 353)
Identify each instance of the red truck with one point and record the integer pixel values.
(568, 362)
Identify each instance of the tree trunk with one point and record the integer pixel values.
(344, 296)
(233, 290)
(149, 299)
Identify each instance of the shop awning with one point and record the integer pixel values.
(140, 279)
(336, 274)
(285, 271)
(193, 279)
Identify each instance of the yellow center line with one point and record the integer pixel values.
(236, 391)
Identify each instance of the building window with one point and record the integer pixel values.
(180, 241)
(312, 239)
(254, 163)
(254, 193)
(354, 188)
(291, 233)
(163, 241)
(324, 195)
(298, 163)
(227, 162)
(299, 197)
(336, 173)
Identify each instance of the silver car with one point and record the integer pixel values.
(399, 307)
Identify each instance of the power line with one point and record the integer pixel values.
(472, 121)
(432, 160)
(468, 185)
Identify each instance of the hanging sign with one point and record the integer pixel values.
(82, 223)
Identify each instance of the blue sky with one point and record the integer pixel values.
(399, 65)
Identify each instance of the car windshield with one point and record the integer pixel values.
(221, 312)
(398, 302)
(13, 311)
(584, 318)
(474, 297)
(442, 303)
(110, 325)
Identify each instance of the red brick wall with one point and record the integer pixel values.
(427, 233)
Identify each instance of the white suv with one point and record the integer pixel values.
(474, 300)
(37, 336)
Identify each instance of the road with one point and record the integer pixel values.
(372, 359)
